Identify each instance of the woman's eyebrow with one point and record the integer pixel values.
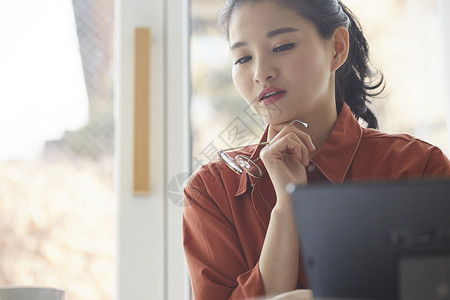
(269, 35)
(279, 31)
(237, 45)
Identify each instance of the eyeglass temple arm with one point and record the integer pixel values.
(306, 125)
(263, 143)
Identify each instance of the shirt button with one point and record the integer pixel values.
(311, 168)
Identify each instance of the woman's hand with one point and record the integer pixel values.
(286, 157)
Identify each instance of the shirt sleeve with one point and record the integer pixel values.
(437, 165)
(217, 266)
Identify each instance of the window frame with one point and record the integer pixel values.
(150, 259)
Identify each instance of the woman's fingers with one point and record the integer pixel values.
(303, 135)
(286, 160)
(293, 127)
(287, 155)
(287, 146)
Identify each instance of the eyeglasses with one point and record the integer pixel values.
(242, 163)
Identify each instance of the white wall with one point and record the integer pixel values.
(444, 8)
(150, 259)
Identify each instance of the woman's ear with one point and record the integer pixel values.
(340, 41)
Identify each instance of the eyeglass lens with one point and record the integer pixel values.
(230, 162)
(248, 165)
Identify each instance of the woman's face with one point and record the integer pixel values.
(281, 65)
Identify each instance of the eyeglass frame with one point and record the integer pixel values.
(238, 168)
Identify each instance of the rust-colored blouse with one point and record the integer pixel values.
(226, 215)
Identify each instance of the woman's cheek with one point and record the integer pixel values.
(308, 72)
(235, 77)
(240, 83)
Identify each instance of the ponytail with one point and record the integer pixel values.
(354, 79)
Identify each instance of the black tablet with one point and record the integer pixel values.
(385, 240)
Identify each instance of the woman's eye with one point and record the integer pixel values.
(284, 47)
(243, 60)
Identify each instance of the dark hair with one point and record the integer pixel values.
(355, 79)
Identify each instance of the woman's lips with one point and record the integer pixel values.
(271, 95)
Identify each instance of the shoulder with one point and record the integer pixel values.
(403, 152)
(210, 178)
(215, 181)
(373, 134)
(400, 141)
(209, 173)
(218, 173)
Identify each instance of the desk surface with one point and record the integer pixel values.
(301, 295)
(295, 295)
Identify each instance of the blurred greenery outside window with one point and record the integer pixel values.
(405, 40)
(56, 160)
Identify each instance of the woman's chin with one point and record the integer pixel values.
(279, 125)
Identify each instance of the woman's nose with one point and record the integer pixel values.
(264, 72)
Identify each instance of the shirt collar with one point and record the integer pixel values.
(333, 159)
(335, 156)
(248, 181)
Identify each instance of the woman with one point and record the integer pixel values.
(308, 58)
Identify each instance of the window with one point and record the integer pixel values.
(56, 158)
